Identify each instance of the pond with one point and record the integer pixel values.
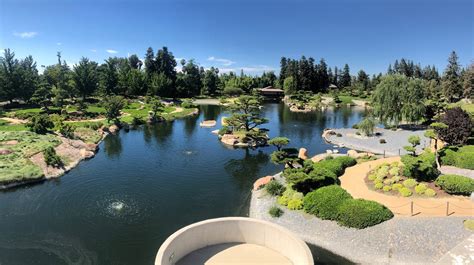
(143, 185)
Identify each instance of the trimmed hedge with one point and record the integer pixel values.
(324, 202)
(454, 184)
(462, 157)
(422, 167)
(360, 213)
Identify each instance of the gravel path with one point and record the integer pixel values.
(395, 140)
(457, 171)
(397, 241)
(206, 101)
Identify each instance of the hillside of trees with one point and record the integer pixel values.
(157, 76)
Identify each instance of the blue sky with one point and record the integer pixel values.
(249, 35)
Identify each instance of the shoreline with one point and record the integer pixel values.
(58, 172)
(427, 239)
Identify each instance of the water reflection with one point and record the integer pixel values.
(113, 146)
(159, 132)
(248, 167)
(210, 112)
(190, 124)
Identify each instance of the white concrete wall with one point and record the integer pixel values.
(233, 230)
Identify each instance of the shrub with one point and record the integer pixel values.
(137, 120)
(462, 157)
(361, 213)
(324, 202)
(275, 212)
(386, 188)
(366, 126)
(409, 183)
(388, 182)
(187, 103)
(67, 130)
(382, 141)
(318, 177)
(379, 186)
(40, 124)
(430, 192)
(339, 135)
(394, 171)
(420, 188)
(232, 91)
(397, 186)
(336, 165)
(295, 204)
(422, 167)
(274, 188)
(459, 126)
(288, 195)
(405, 192)
(395, 179)
(51, 158)
(454, 184)
(372, 176)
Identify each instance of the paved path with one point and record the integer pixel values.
(457, 171)
(353, 181)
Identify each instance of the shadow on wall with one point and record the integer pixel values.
(322, 256)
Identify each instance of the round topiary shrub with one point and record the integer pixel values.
(382, 141)
(420, 188)
(288, 195)
(410, 183)
(295, 204)
(454, 184)
(394, 171)
(378, 186)
(387, 188)
(372, 176)
(361, 213)
(397, 186)
(430, 192)
(395, 179)
(275, 212)
(405, 192)
(324, 202)
(388, 182)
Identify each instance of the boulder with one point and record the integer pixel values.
(352, 153)
(91, 147)
(114, 129)
(215, 132)
(303, 153)
(86, 154)
(5, 151)
(209, 123)
(262, 182)
(230, 139)
(11, 142)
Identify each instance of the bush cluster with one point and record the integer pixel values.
(462, 157)
(275, 212)
(291, 198)
(51, 158)
(334, 203)
(315, 175)
(454, 184)
(422, 167)
(40, 124)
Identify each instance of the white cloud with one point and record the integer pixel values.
(93, 50)
(59, 44)
(224, 62)
(111, 51)
(258, 68)
(25, 35)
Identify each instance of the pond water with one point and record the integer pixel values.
(143, 185)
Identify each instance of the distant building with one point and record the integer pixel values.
(332, 86)
(271, 93)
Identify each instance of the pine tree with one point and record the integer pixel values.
(346, 77)
(451, 83)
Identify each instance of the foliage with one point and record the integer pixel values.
(245, 114)
(451, 82)
(51, 158)
(40, 124)
(459, 126)
(405, 192)
(422, 168)
(232, 91)
(324, 202)
(410, 183)
(289, 85)
(275, 212)
(462, 157)
(85, 77)
(359, 213)
(454, 184)
(366, 126)
(286, 156)
(113, 106)
(290, 197)
(279, 142)
(274, 188)
(421, 188)
(382, 141)
(430, 193)
(387, 188)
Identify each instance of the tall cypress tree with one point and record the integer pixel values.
(346, 76)
(451, 84)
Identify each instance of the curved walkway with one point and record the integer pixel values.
(353, 181)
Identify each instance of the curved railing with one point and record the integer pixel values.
(233, 230)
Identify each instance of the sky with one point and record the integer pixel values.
(249, 35)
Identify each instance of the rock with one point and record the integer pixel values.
(352, 153)
(303, 153)
(335, 151)
(209, 123)
(91, 147)
(262, 182)
(328, 152)
(230, 139)
(114, 129)
(5, 152)
(11, 142)
(215, 132)
(86, 154)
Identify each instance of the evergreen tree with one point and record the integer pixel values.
(468, 81)
(150, 63)
(345, 77)
(451, 83)
(85, 77)
(210, 82)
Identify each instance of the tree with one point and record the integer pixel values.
(85, 77)
(150, 63)
(165, 64)
(432, 133)
(18, 78)
(279, 142)
(468, 81)
(289, 85)
(189, 79)
(363, 79)
(42, 94)
(459, 127)
(245, 114)
(414, 140)
(40, 124)
(134, 62)
(366, 126)
(113, 106)
(160, 85)
(286, 156)
(108, 76)
(451, 82)
(156, 108)
(345, 77)
(413, 97)
(210, 82)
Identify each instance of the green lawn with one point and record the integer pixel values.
(469, 107)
